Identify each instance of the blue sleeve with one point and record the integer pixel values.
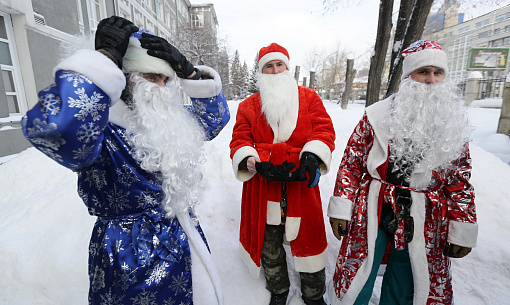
(68, 121)
(212, 113)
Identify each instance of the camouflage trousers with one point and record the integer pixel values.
(274, 263)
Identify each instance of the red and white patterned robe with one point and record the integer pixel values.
(307, 128)
(445, 211)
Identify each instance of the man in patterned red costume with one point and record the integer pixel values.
(402, 195)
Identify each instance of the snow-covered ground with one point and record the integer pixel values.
(45, 228)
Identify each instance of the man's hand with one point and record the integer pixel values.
(112, 37)
(273, 172)
(339, 227)
(309, 163)
(455, 251)
(159, 47)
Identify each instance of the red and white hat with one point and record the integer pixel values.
(273, 52)
(423, 53)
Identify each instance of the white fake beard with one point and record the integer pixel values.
(166, 140)
(277, 93)
(428, 126)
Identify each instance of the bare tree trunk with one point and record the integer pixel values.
(404, 14)
(379, 54)
(349, 75)
(296, 73)
(312, 80)
(413, 31)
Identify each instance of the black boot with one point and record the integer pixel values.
(314, 302)
(279, 299)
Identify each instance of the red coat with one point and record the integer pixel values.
(443, 212)
(308, 128)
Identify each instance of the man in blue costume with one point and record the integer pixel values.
(116, 118)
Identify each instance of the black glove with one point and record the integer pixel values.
(455, 251)
(112, 37)
(309, 163)
(273, 172)
(159, 47)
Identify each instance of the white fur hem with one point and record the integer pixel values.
(101, 70)
(203, 88)
(205, 278)
(322, 151)
(312, 263)
(417, 251)
(241, 153)
(462, 233)
(359, 280)
(340, 208)
(274, 213)
(245, 256)
(292, 225)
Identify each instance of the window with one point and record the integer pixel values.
(95, 9)
(482, 23)
(197, 20)
(507, 28)
(9, 67)
(500, 18)
(484, 34)
(497, 31)
(506, 41)
(464, 29)
(496, 43)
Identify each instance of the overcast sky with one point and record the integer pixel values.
(301, 25)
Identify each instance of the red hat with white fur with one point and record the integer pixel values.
(273, 52)
(423, 53)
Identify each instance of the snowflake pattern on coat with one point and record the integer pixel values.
(449, 197)
(136, 254)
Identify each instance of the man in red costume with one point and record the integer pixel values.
(402, 193)
(282, 126)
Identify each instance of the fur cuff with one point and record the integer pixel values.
(99, 69)
(322, 151)
(241, 153)
(340, 208)
(311, 264)
(462, 234)
(203, 88)
(245, 256)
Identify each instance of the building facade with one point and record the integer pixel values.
(33, 31)
(491, 30)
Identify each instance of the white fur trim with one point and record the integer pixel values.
(241, 153)
(379, 152)
(417, 251)
(292, 225)
(274, 213)
(137, 60)
(359, 280)
(116, 114)
(423, 58)
(101, 70)
(321, 150)
(462, 234)
(205, 277)
(203, 88)
(273, 56)
(312, 263)
(340, 208)
(245, 256)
